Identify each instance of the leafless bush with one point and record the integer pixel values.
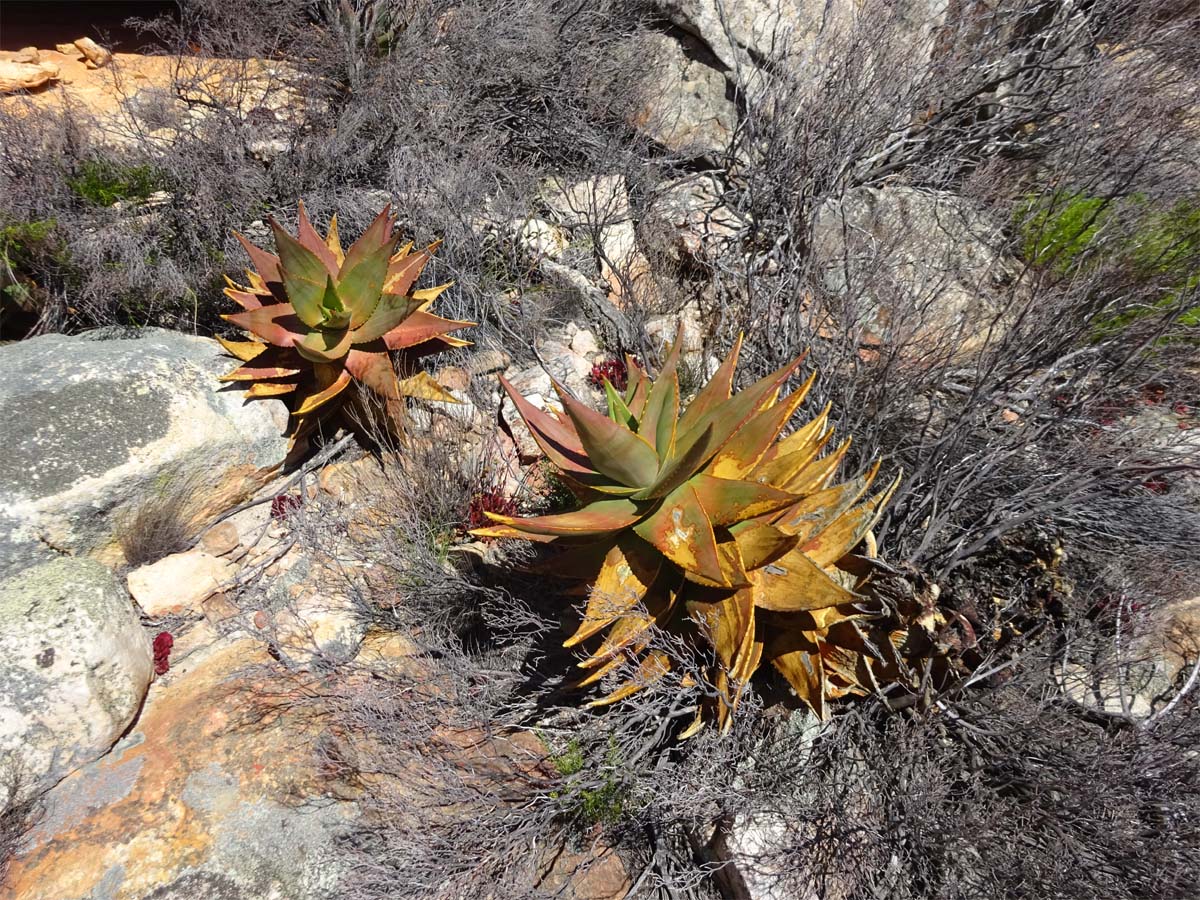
(455, 111)
(859, 173)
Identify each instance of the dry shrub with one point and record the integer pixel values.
(165, 521)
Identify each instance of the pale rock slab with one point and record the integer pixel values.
(178, 583)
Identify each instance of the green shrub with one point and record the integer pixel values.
(104, 183)
(603, 801)
(1055, 231)
(1061, 232)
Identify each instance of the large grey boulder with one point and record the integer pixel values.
(96, 426)
(924, 268)
(687, 108)
(75, 664)
(799, 37)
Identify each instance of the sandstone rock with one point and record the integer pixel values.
(539, 237)
(96, 55)
(927, 266)
(110, 422)
(687, 108)
(178, 583)
(318, 627)
(221, 539)
(27, 55)
(22, 76)
(74, 667)
(214, 794)
(534, 385)
(793, 34)
(598, 208)
(661, 330)
(453, 378)
(68, 50)
(584, 344)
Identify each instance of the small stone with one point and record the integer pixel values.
(68, 50)
(96, 55)
(453, 378)
(27, 55)
(220, 539)
(319, 629)
(15, 76)
(219, 608)
(584, 343)
(178, 583)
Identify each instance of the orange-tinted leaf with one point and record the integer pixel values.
(817, 474)
(654, 666)
(599, 517)
(320, 398)
(680, 528)
(402, 272)
(728, 417)
(716, 391)
(375, 371)
(629, 570)
(760, 543)
(727, 501)
(269, 389)
(243, 298)
(844, 533)
(808, 516)
(658, 420)
(243, 350)
(276, 324)
(733, 570)
(312, 242)
(743, 452)
(419, 327)
(804, 673)
(334, 242)
(266, 264)
(803, 438)
(424, 386)
(794, 583)
(258, 372)
(631, 628)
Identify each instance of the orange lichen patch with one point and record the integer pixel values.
(208, 747)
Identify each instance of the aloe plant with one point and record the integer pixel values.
(323, 320)
(706, 521)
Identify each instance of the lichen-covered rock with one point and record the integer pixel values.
(215, 794)
(74, 667)
(687, 108)
(102, 424)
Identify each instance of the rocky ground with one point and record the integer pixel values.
(163, 621)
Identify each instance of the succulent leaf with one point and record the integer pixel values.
(304, 276)
(614, 451)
